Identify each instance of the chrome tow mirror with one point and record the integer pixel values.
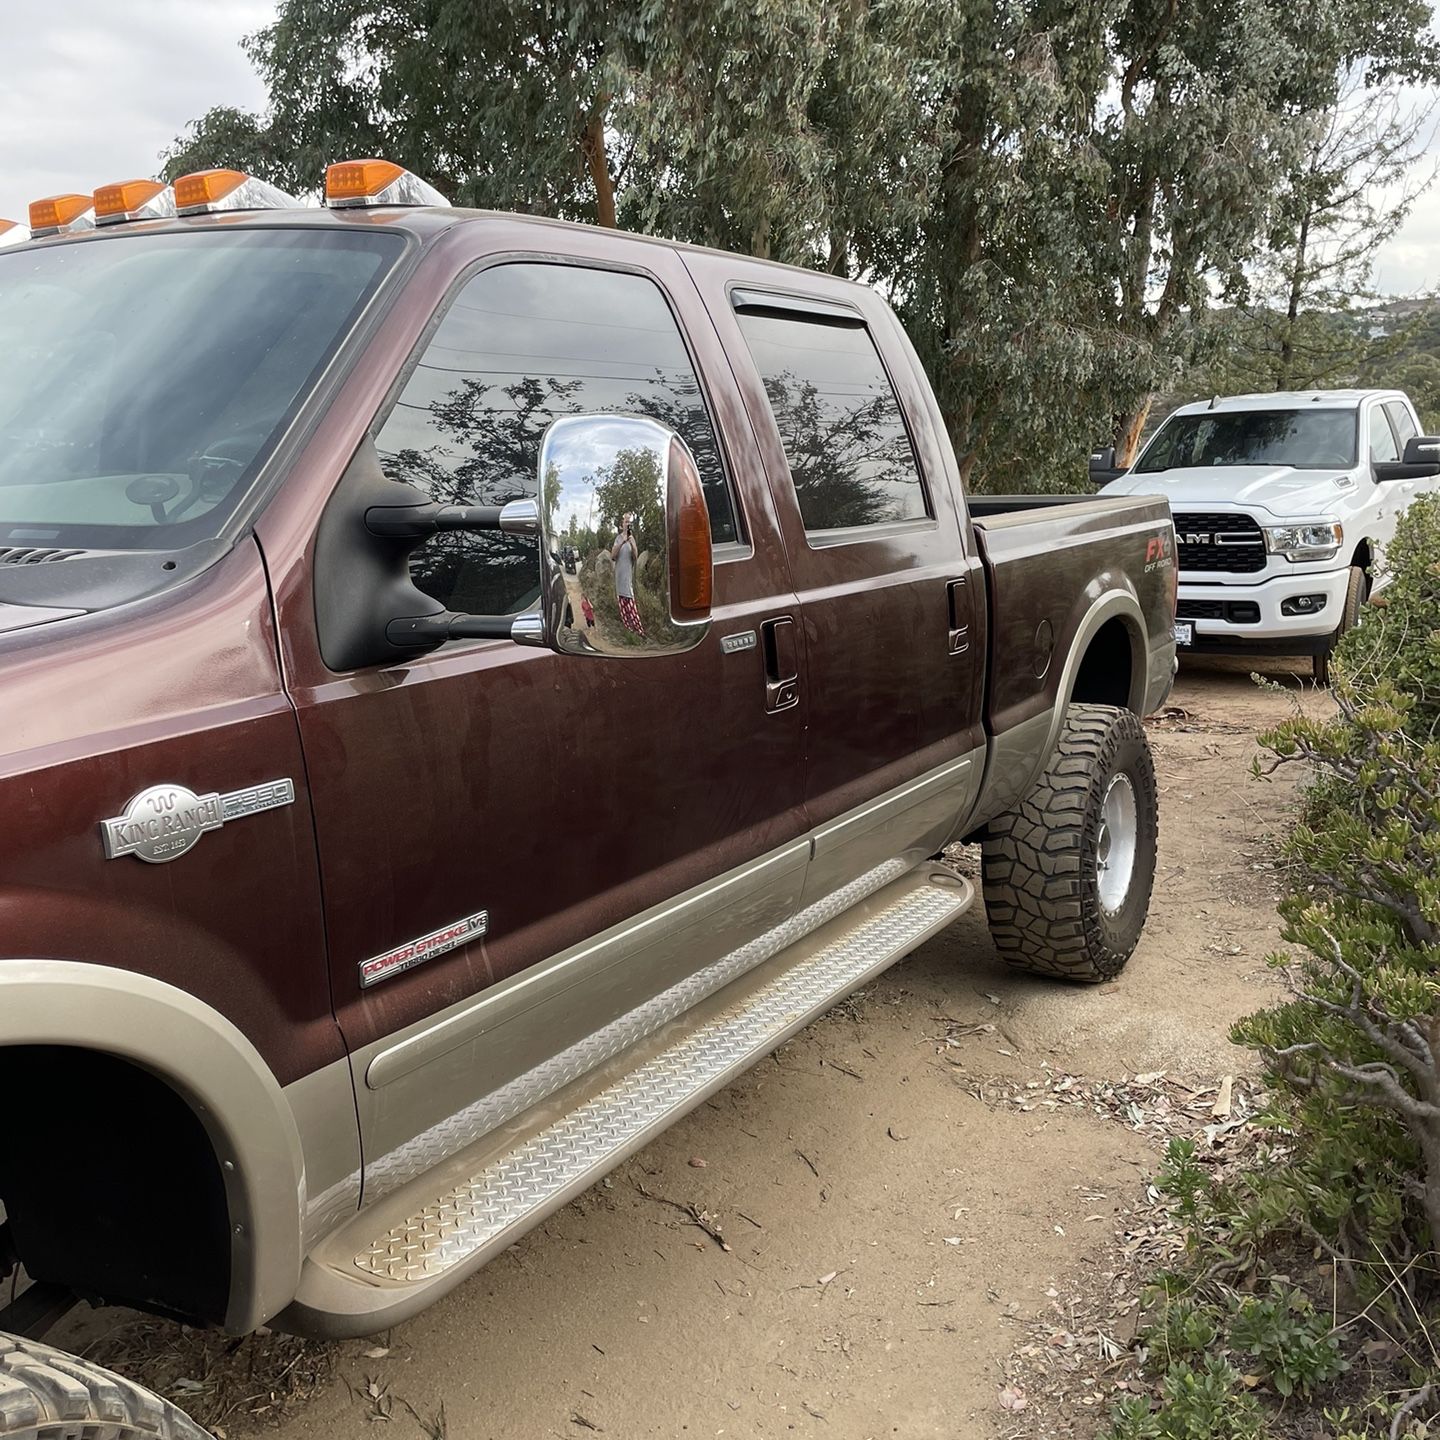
(625, 551)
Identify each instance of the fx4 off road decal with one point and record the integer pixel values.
(1158, 554)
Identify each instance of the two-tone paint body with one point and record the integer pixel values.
(933, 660)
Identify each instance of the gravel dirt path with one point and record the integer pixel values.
(891, 1221)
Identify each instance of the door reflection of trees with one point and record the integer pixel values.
(487, 452)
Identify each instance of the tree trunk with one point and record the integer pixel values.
(1292, 310)
(592, 142)
(1127, 432)
(760, 238)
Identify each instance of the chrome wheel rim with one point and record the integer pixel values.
(1117, 842)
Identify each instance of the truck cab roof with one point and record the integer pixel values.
(1286, 400)
(423, 223)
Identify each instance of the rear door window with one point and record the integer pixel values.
(850, 455)
(522, 344)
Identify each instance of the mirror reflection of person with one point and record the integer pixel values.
(625, 552)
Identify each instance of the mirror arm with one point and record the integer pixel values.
(429, 631)
(416, 522)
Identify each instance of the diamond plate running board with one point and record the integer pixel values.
(519, 1187)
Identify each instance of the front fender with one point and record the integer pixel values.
(205, 1059)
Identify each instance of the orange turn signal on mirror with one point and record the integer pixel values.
(131, 200)
(55, 212)
(694, 558)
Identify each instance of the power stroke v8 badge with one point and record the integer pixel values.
(427, 947)
(163, 822)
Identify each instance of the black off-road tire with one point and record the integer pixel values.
(48, 1395)
(1349, 619)
(1041, 861)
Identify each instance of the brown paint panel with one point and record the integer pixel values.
(1049, 565)
(558, 794)
(888, 700)
(183, 689)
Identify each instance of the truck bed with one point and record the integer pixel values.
(1069, 576)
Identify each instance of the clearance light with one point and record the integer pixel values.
(12, 233)
(205, 191)
(133, 200)
(61, 215)
(376, 182)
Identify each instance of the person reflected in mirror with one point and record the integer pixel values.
(589, 611)
(625, 552)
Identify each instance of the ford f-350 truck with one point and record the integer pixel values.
(469, 686)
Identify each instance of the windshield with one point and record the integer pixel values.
(144, 379)
(1305, 439)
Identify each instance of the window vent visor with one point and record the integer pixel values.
(834, 312)
(205, 191)
(61, 215)
(351, 183)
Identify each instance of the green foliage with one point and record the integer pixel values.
(1196, 1403)
(1046, 190)
(1349, 1171)
(1289, 1342)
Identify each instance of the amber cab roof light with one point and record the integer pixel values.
(12, 232)
(376, 182)
(205, 191)
(61, 215)
(133, 200)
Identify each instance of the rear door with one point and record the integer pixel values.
(880, 556)
(513, 802)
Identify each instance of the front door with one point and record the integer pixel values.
(515, 803)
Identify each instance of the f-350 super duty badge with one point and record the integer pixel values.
(163, 822)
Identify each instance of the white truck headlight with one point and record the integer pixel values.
(1305, 542)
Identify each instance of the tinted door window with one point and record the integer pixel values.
(521, 345)
(849, 452)
(1382, 437)
(1405, 427)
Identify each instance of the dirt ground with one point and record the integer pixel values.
(894, 1223)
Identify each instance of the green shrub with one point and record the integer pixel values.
(1291, 1345)
(1348, 1170)
(1195, 1404)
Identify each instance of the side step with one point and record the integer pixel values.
(401, 1253)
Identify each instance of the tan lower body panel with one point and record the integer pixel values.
(402, 1253)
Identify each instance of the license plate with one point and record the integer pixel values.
(1184, 632)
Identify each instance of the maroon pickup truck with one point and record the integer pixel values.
(469, 686)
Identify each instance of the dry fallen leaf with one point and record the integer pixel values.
(377, 1352)
(1012, 1397)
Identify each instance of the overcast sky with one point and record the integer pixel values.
(92, 91)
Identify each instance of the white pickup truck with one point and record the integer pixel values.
(1283, 504)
